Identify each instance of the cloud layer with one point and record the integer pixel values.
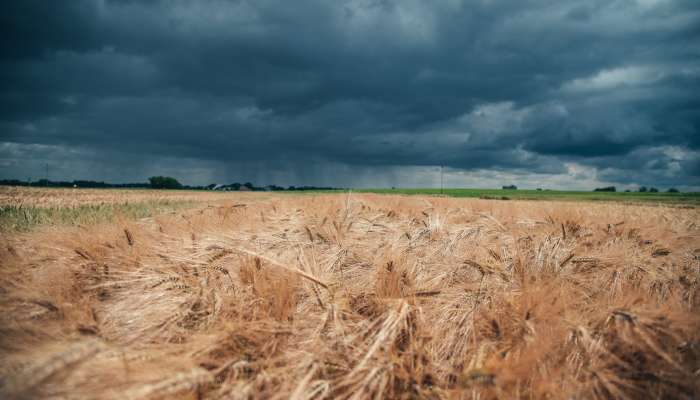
(563, 94)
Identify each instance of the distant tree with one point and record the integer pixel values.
(627, 191)
(673, 190)
(605, 189)
(653, 190)
(510, 187)
(642, 189)
(164, 182)
(248, 185)
(12, 182)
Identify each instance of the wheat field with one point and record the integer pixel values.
(356, 296)
(25, 208)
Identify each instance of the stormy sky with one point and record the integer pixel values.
(354, 93)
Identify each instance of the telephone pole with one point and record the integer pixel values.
(47, 174)
(441, 185)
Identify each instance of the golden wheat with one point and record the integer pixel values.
(356, 296)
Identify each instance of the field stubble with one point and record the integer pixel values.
(357, 296)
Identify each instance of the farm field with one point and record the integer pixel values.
(692, 198)
(22, 208)
(361, 295)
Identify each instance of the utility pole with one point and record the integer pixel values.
(441, 185)
(47, 174)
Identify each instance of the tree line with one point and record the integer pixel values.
(155, 182)
(167, 182)
(642, 189)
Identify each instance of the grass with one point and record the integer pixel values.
(353, 296)
(692, 198)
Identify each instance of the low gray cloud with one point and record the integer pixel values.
(354, 93)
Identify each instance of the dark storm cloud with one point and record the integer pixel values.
(546, 88)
